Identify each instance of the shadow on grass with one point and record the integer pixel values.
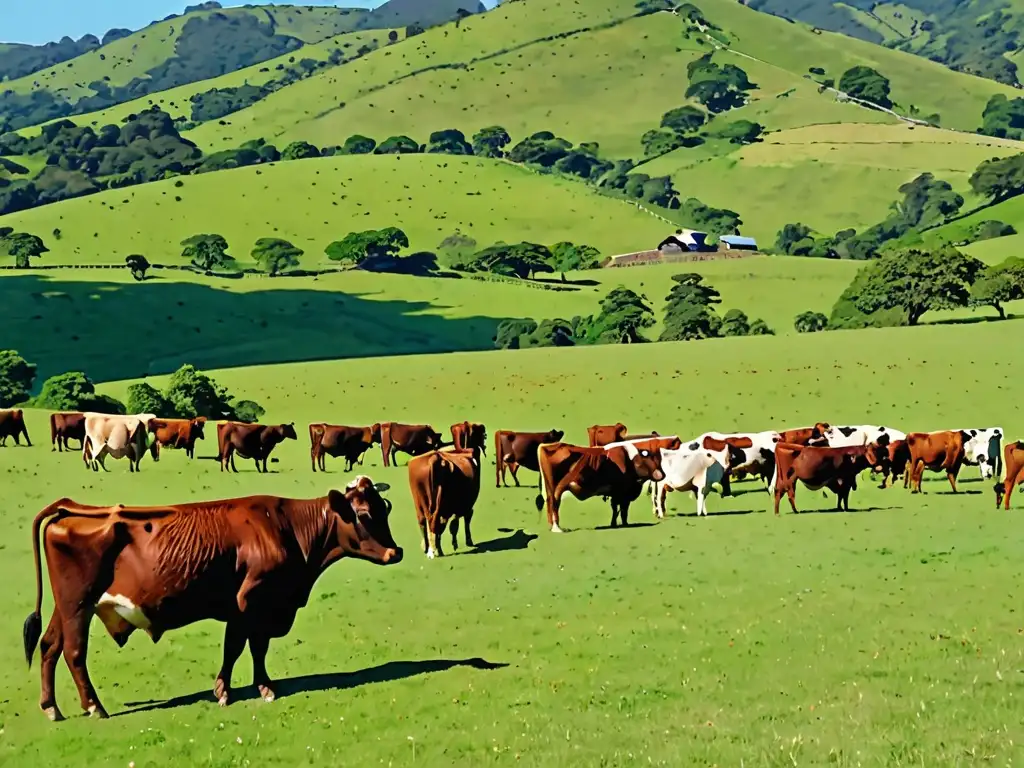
(123, 330)
(331, 681)
(617, 527)
(721, 513)
(519, 540)
(973, 320)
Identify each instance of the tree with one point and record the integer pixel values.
(810, 322)
(656, 142)
(205, 252)
(623, 314)
(508, 332)
(74, 391)
(397, 145)
(567, 257)
(23, 247)
(358, 145)
(999, 284)
(1003, 118)
(716, 95)
(16, 378)
(999, 178)
(145, 398)
(928, 201)
(794, 240)
(299, 150)
(549, 333)
(191, 393)
(760, 328)
(491, 141)
(393, 36)
(689, 313)
(542, 148)
(918, 281)
(449, 142)
(742, 132)
(139, 265)
(735, 323)
(683, 119)
(248, 411)
(866, 84)
(414, 29)
(357, 247)
(512, 260)
(274, 255)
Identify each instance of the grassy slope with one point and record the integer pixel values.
(133, 56)
(314, 202)
(818, 639)
(1010, 212)
(176, 100)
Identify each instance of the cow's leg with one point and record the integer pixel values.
(234, 644)
(615, 514)
(952, 472)
(778, 496)
(455, 534)
(76, 647)
(438, 529)
(514, 469)
(313, 459)
(468, 517)
(259, 644)
(265, 464)
(51, 644)
(426, 536)
(791, 493)
(624, 513)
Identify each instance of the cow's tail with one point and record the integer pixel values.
(33, 627)
(775, 478)
(541, 490)
(316, 437)
(53, 430)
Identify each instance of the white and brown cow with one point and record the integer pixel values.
(120, 437)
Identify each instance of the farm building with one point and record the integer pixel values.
(685, 240)
(738, 243)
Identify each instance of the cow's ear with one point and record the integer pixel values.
(382, 487)
(339, 503)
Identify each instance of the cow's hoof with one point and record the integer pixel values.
(53, 714)
(267, 694)
(556, 529)
(430, 554)
(223, 700)
(97, 711)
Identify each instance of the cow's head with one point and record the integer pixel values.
(554, 436)
(877, 457)
(434, 439)
(363, 529)
(288, 432)
(195, 428)
(375, 434)
(647, 465)
(898, 456)
(478, 437)
(737, 456)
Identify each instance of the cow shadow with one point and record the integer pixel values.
(518, 540)
(331, 681)
(721, 513)
(618, 527)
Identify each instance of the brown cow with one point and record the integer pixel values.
(806, 435)
(250, 441)
(936, 451)
(350, 442)
(64, 427)
(818, 467)
(413, 439)
(513, 450)
(899, 460)
(1013, 460)
(248, 562)
(176, 433)
(603, 434)
(12, 424)
(617, 472)
(445, 486)
(469, 436)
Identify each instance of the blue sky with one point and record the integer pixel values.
(40, 21)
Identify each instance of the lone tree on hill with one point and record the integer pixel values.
(16, 378)
(1000, 178)
(205, 252)
(397, 145)
(917, 282)
(22, 246)
(810, 322)
(866, 84)
(690, 312)
(999, 284)
(491, 142)
(274, 255)
(139, 265)
(449, 142)
(357, 247)
(358, 145)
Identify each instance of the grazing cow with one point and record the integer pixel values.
(1014, 462)
(350, 442)
(616, 471)
(120, 437)
(937, 451)
(468, 436)
(696, 467)
(846, 437)
(758, 453)
(806, 435)
(250, 441)
(64, 427)
(176, 433)
(822, 467)
(898, 463)
(983, 448)
(12, 424)
(603, 434)
(413, 439)
(445, 486)
(513, 450)
(248, 562)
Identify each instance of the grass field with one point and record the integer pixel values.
(885, 637)
(315, 202)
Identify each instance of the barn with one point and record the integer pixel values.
(737, 243)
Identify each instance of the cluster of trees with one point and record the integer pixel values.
(1003, 118)
(690, 313)
(521, 260)
(189, 393)
(719, 88)
(680, 127)
(999, 284)
(999, 179)
(19, 60)
(866, 84)
(21, 246)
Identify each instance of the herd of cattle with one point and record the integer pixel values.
(252, 562)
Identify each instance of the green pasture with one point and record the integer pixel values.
(886, 636)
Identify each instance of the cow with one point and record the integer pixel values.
(350, 442)
(64, 427)
(983, 448)
(822, 467)
(758, 453)
(697, 466)
(616, 471)
(176, 433)
(120, 437)
(806, 435)
(513, 450)
(250, 441)
(413, 439)
(248, 562)
(603, 434)
(936, 451)
(12, 424)
(467, 435)
(1013, 456)
(865, 434)
(445, 486)
(898, 464)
